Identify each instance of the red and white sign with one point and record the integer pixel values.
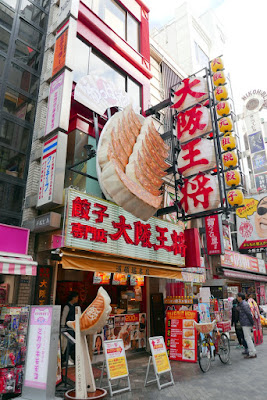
(193, 123)
(97, 225)
(190, 91)
(235, 260)
(159, 354)
(181, 335)
(213, 235)
(115, 359)
(38, 347)
(53, 164)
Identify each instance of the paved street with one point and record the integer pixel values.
(241, 380)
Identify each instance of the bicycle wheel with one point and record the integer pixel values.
(204, 355)
(224, 348)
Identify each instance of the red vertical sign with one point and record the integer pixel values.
(181, 335)
(213, 235)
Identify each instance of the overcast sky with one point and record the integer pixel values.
(245, 24)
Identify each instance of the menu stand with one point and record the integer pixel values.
(157, 375)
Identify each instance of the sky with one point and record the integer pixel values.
(244, 21)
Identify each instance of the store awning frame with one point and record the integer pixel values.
(244, 275)
(17, 264)
(88, 261)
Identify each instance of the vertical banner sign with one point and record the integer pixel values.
(43, 286)
(115, 359)
(181, 336)
(213, 225)
(60, 48)
(52, 170)
(159, 354)
(38, 348)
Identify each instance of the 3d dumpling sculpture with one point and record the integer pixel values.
(189, 92)
(95, 315)
(193, 122)
(203, 157)
(131, 156)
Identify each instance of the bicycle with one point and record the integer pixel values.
(212, 344)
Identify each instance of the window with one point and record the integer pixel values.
(4, 39)
(99, 67)
(6, 17)
(81, 60)
(134, 91)
(14, 197)
(2, 64)
(12, 162)
(118, 19)
(43, 3)
(27, 55)
(14, 135)
(32, 13)
(10, 3)
(201, 57)
(23, 79)
(20, 106)
(30, 35)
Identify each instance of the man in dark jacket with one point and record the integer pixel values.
(238, 327)
(247, 322)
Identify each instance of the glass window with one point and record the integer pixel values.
(27, 55)
(81, 60)
(134, 91)
(115, 17)
(20, 106)
(132, 32)
(11, 3)
(14, 198)
(9, 221)
(2, 64)
(23, 79)
(14, 135)
(32, 13)
(11, 162)
(6, 17)
(101, 68)
(43, 3)
(30, 35)
(4, 39)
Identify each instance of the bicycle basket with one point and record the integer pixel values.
(205, 327)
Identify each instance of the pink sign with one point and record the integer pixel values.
(14, 239)
(213, 235)
(54, 104)
(38, 348)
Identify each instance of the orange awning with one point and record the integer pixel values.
(88, 261)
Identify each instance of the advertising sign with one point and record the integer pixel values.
(159, 355)
(137, 280)
(227, 240)
(115, 359)
(235, 260)
(181, 335)
(52, 171)
(60, 48)
(256, 142)
(119, 279)
(38, 347)
(58, 108)
(213, 225)
(251, 224)
(98, 225)
(101, 278)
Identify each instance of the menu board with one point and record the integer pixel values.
(158, 351)
(181, 335)
(115, 359)
(101, 278)
(137, 280)
(119, 279)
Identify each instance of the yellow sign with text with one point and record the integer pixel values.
(250, 206)
(162, 362)
(117, 367)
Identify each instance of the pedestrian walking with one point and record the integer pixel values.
(247, 322)
(238, 328)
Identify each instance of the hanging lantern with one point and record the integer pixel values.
(232, 178)
(229, 159)
(228, 142)
(221, 93)
(235, 197)
(219, 78)
(216, 64)
(225, 125)
(223, 108)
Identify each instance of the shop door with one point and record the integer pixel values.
(157, 315)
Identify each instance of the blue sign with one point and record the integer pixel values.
(259, 162)
(256, 142)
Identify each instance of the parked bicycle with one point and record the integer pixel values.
(211, 342)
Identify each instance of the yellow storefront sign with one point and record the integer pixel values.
(162, 362)
(117, 367)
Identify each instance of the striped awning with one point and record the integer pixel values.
(17, 264)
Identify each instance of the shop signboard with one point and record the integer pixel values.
(159, 355)
(98, 225)
(14, 239)
(43, 285)
(181, 335)
(60, 48)
(52, 171)
(234, 260)
(214, 237)
(115, 359)
(251, 222)
(58, 109)
(227, 240)
(101, 278)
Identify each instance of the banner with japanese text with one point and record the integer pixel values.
(98, 225)
(159, 354)
(213, 225)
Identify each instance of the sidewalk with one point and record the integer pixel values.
(240, 380)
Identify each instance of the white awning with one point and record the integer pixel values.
(17, 264)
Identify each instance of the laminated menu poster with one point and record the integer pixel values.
(181, 335)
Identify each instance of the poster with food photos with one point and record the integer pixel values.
(181, 335)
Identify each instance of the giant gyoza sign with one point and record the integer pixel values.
(98, 225)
